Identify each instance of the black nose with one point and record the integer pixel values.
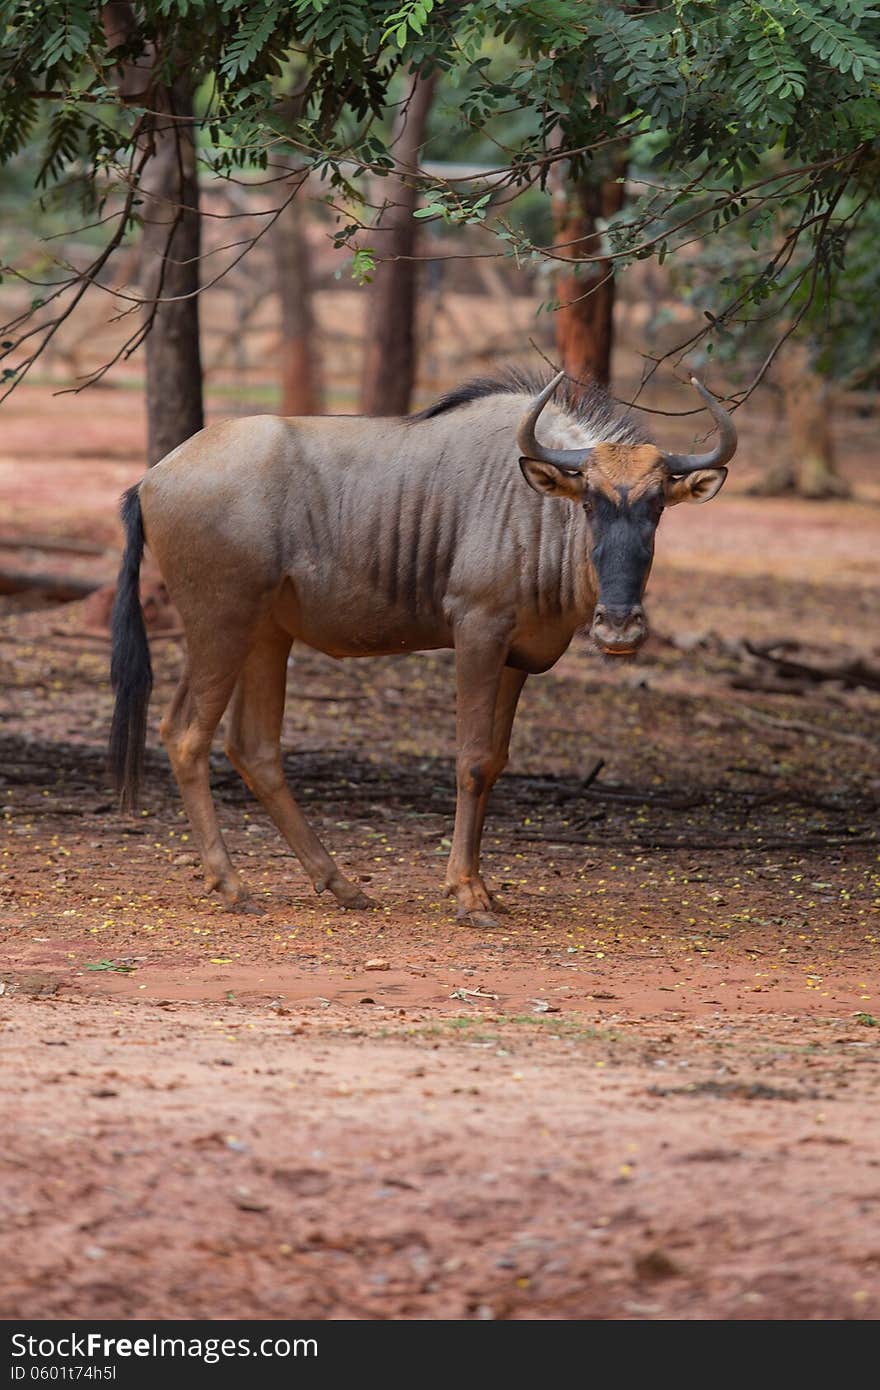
(619, 629)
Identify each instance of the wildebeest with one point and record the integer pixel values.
(455, 528)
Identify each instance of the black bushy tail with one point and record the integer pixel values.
(131, 674)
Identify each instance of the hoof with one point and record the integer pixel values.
(358, 902)
(478, 918)
(475, 905)
(347, 895)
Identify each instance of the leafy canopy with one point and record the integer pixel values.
(738, 104)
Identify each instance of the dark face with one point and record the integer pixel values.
(623, 530)
(624, 492)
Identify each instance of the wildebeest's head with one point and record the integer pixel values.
(623, 488)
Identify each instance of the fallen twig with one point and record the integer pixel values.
(799, 726)
(61, 587)
(593, 773)
(70, 546)
(717, 844)
(790, 664)
(94, 634)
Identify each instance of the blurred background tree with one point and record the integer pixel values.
(662, 132)
(390, 342)
(812, 346)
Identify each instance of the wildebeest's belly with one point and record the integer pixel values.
(344, 618)
(357, 621)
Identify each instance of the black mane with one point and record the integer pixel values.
(589, 404)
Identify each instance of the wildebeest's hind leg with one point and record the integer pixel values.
(253, 745)
(187, 731)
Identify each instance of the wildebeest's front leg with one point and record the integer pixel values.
(480, 654)
(509, 691)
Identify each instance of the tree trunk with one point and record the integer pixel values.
(170, 244)
(807, 466)
(300, 370)
(390, 351)
(170, 270)
(585, 321)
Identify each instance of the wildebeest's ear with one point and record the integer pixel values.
(695, 487)
(552, 481)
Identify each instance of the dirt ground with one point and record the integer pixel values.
(651, 1093)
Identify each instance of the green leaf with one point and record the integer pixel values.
(363, 264)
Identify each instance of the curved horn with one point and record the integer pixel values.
(571, 459)
(725, 448)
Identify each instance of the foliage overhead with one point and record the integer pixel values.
(733, 109)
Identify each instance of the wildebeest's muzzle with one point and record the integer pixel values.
(622, 553)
